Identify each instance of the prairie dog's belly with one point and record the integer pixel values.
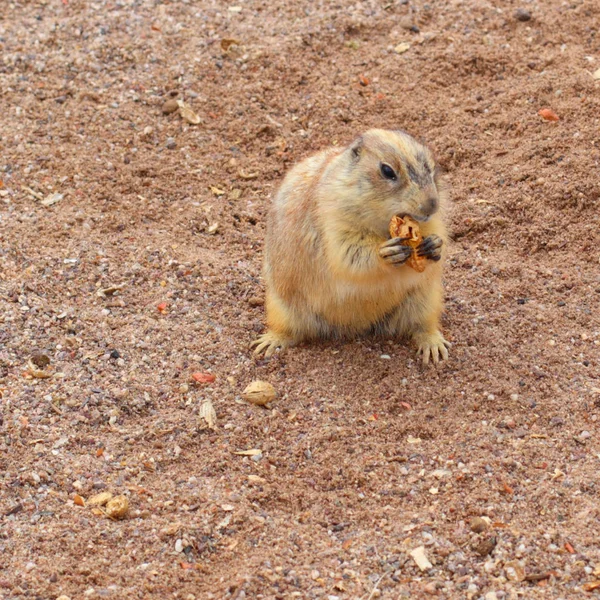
(356, 307)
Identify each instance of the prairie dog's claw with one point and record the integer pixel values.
(267, 343)
(394, 253)
(432, 345)
(431, 248)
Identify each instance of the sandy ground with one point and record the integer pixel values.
(363, 458)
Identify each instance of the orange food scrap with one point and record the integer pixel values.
(405, 227)
(569, 548)
(363, 80)
(162, 307)
(203, 377)
(591, 586)
(77, 499)
(507, 489)
(99, 452)
(548, 114)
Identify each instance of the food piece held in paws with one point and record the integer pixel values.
(406, 227)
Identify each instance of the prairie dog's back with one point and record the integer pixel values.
(293, 242)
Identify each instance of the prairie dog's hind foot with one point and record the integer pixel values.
(432, 346)
(269, 342)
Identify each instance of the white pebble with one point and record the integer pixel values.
(179, 545)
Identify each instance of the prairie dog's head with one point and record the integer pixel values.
(391, 174)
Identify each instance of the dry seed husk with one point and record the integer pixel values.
(259, 393)
(100, 499)
(117, 507)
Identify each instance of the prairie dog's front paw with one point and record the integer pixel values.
(431, 345)
(431, 248)
(394, 253)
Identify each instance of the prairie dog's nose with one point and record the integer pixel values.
(430, 205)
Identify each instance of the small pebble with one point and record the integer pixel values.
(486, 546)
(179, 545)
(170, 106)
(115, 354)
(522, 15)
(478, 525)
(256, 301)
(584, 435)
(171, 143)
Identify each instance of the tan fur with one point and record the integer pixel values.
(325, 276)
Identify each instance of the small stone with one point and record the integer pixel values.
(179, 545)
(485, 547)
(171, 143)
(514, 571)
(170, 106)
(30, 566)
(63, 597)
(478, 525)
(115, 354)
(256, 301)
(402, 48)
(522, 15)
(584, 435)
(420, 558)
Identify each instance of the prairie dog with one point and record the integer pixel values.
(329, 266)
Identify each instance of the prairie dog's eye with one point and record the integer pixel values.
(388, 172)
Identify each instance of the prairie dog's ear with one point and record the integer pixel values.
(356, 147)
